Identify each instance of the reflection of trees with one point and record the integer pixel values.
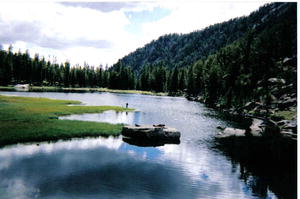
(274, 177)
(263, 175)
(256, 184)
(260, 179)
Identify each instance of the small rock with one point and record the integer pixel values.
(286, 89)
(287, 61)
(218, 105)
(276, 81)
(281, 122)
(289, 134)
(289, 125)
(249, 105)
(287, 103)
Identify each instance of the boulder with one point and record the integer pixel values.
(229, 132)
(288, 125)
(257, 127)
(22, 87)
(151, 132)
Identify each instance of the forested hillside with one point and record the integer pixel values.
(261, 65)
(181, 50)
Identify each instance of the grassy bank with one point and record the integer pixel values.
(61, 89)
(26, 119)
(7, 88)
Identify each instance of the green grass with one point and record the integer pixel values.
(286, 115)
(61, 89)
(7, 88)
(26, 119)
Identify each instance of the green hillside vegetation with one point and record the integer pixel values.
(260, 66)
(181, 50)
(26, 119)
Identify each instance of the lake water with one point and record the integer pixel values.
(111, 168)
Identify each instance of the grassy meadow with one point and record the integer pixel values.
(27, 119)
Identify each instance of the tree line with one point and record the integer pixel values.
(21, 68)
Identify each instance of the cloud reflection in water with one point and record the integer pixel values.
(68, 169)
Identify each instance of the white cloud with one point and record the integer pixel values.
(197, 165)
(44, 147)
(73, 33)
(97, 35)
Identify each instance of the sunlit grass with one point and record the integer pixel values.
(25, 119)
(286, 115)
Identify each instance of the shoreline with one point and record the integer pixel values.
(80, 90)
(29, 119)
(264, 138)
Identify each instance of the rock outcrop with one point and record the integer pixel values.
(263, 140)
(228, 132)
(151, 132)
(256, 129)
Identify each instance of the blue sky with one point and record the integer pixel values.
(101, 32)
(137, 18)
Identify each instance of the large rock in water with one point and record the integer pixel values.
(229, 132)
(148, 132)
(256, 129)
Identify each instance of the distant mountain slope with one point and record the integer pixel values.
(180, 50)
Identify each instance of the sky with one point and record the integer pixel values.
(101, 32)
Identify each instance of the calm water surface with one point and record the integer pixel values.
(110, 168)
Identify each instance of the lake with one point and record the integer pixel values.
(111, 168)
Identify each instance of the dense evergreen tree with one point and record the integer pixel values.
(173, 81)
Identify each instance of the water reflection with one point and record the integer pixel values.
(262, 178)
(68, 170)
(149, 143)
(111, 168)
(113, 117)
